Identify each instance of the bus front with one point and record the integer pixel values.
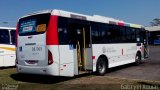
(36, 43)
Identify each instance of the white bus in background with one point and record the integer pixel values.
(7, 46)
(61, 43)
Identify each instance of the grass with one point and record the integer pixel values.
(9, 78)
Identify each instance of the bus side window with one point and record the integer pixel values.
(63, 30)
(95, 33)
(114, 34)
(103, 33)
(4, 37)
(128, 33)
(13, 36)
(123, 34)
(133, 35)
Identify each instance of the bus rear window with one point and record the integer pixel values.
(33, 25)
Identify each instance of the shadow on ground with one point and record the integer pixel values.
(43, 79)
(8, 67)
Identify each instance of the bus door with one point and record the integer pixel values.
(144, 36)
(81, 39)
(146, 48)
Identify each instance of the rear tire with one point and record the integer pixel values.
(138, 59)
(101, 67)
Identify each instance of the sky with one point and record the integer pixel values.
(132, 11)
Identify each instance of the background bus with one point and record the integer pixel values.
(154, 35)
(7, 46)
(61, 43)
(157, 40)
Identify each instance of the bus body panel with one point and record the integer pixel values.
(9, 60)
(67, 69)
(32, 49)
(1, 60)
(42, 68)
(45, 70)
(7, 55)
(66, 60)
(117, 54)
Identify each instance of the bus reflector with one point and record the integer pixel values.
(93, 57)
(50, 58)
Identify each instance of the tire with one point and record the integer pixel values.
(101, 67)
(138, 59)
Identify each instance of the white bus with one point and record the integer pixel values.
(61, 43)
(7, 46)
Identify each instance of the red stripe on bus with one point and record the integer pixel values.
(52, 33)
(17, 34)
(120, 24)
(122, 51)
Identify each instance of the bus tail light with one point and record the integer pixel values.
(50, 58)
(93, 57)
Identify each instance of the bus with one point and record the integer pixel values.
(157, 40)
(62, 43)
(7, 46)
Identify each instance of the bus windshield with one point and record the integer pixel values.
(33, 25)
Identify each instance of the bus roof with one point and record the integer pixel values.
(8, 28)
(95, 18)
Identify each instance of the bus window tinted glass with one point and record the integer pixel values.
(63, 33)
(13, 36)
(33, 25)
(4, 37)
(95, 33)
(133, 34)
(123, 34)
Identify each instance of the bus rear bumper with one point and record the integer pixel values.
(52, 70)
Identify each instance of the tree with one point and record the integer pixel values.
(155, 22)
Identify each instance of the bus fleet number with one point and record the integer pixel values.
(36, 48)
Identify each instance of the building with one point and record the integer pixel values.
(154, 35)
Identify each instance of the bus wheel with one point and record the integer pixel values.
(101, 67)
(138, 59)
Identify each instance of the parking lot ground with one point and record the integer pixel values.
(10, 79)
